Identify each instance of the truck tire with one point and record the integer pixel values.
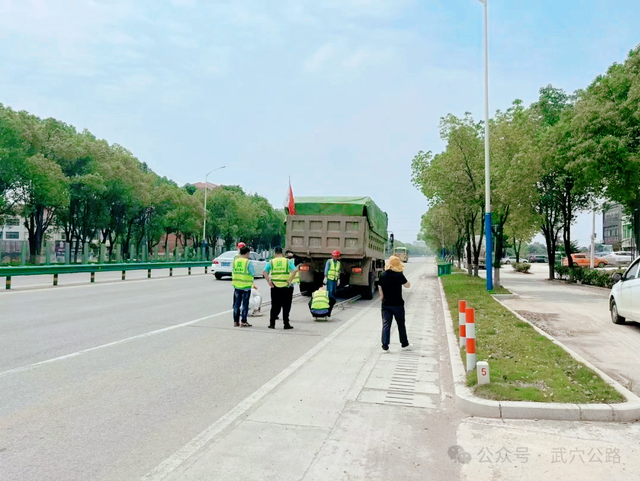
(369, 291)
(306, 288)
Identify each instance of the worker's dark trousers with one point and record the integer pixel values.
(281, 298)
(388, 313)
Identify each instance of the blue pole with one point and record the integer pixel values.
(489, 250)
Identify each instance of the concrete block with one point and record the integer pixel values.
(532, 410)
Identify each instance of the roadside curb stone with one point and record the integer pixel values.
(467, 401)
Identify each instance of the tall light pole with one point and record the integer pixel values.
(487, 174)
(206, 188)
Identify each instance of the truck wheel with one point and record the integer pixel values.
(615, 317)
(369, 291)
(306, 288)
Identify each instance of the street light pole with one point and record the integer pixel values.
(206, 188)
(487, 174)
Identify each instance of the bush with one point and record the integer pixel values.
(590, 277)
(521, 267)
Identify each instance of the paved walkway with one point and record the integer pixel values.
(351, 411)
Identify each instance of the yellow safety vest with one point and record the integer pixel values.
(320, 300)
(240, 277)
(280, 271)
(334, 270)
(296, 279)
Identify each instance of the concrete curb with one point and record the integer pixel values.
(466, 400)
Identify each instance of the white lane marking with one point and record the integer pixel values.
(114, 343)
(174, 461)
(169, 465)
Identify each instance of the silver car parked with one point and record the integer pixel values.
(618, 258)
(223, 264)
(624, 300)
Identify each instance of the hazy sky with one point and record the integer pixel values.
(337, 94)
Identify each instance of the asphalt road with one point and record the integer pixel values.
(104, 381)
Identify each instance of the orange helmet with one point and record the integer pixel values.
(241, 245)
(335, 254)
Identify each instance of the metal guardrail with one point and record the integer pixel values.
(56, 270)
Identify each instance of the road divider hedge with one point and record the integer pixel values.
(592, 277)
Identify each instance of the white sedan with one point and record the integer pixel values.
(624, 300)
(223, 264)
(619, 258)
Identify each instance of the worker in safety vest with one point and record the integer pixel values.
(242, 276)
(321, 304)
(296, 279)
(279, 274)
(332, 273)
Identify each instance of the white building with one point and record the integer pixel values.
(14, 230)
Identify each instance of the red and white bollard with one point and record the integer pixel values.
(462, 307)
(470, 324)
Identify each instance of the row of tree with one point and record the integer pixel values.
(549, 161)
(56, 177)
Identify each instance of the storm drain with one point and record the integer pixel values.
(402, 386)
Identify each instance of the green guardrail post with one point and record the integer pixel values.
(67, 253)
(85, 253)
(23, 254)
(7, 283)
(167, 254)
(93, 277)
(119, 253)
(55, 279)
(47, 253)
(103, 252)
(175, 254)
(145, 253)
(185, 253)
(132, 253)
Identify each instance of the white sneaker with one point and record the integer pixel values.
(407, 348)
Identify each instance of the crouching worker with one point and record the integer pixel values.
(321, 304)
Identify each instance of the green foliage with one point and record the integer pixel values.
(523, 267)
(592, 277)
(53, 175)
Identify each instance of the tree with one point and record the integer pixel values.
(606, 134)
(554, 184)
(512, 164)
(456, 177)
(41, 192)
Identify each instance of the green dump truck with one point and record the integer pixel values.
(355, 226)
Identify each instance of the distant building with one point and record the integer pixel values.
(627, 242)
(612, 226)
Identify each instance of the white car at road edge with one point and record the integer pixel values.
(624, 299)
(222, 265)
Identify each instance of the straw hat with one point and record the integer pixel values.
(394, 264)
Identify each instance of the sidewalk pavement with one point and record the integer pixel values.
(351, 411)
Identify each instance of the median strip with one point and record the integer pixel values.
(525, 365)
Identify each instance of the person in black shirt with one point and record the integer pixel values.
(390, 286)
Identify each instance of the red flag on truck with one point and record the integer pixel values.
(290, 203)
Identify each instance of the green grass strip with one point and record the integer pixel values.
(524, 365)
